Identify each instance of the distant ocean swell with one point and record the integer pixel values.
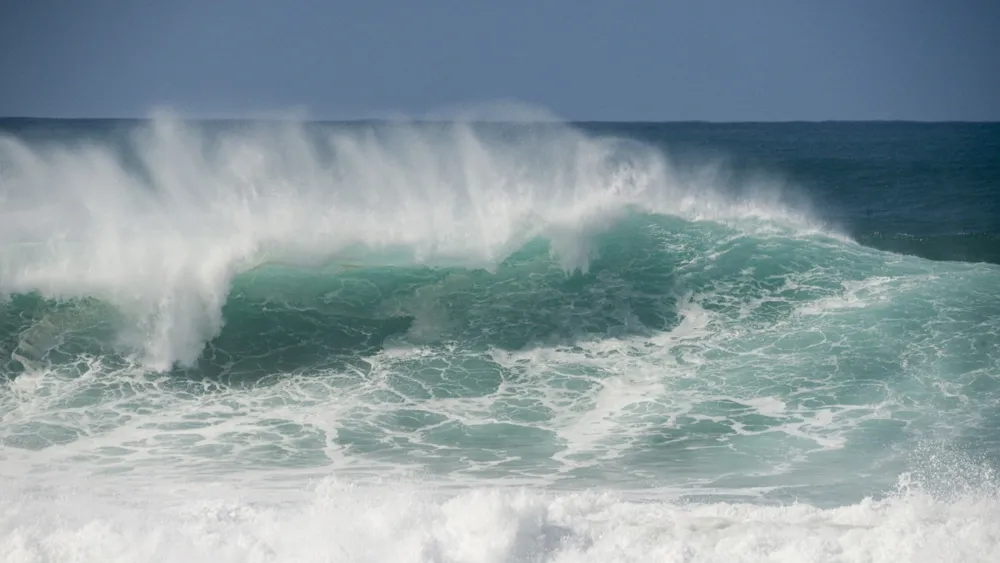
(451, 342)
(966, 247)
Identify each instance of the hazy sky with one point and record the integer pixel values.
(611, 60)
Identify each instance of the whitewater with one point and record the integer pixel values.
(485, 342)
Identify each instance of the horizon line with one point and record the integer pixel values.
(526, 121)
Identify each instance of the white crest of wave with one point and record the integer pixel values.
(161, 232)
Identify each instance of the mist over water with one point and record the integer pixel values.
(481, 341)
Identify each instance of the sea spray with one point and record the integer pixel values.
(160, 227)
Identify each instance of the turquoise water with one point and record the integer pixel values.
(593, 342)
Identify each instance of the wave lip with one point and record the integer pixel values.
(161, 227)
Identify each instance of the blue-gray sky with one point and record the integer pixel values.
(584, 60)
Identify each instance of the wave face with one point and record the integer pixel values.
(160, 229)
(481, 342)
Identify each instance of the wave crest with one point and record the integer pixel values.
(160, 221)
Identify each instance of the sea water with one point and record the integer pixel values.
(498, 342)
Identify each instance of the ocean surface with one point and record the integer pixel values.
(499, 342)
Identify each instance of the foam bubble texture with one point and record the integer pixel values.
(393, 523)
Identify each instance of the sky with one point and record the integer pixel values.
(628, 60)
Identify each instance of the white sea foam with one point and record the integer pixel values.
(395, 522)
(721, 399)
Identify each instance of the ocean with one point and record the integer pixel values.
(420, 341)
